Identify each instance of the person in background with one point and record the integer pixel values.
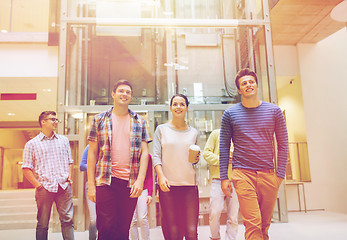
(141, 211)
(217, 197)
(252, 125)
(47, 164)
(178, 193)
(91, 205)
(117, 164)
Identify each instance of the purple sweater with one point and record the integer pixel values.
(252, 131)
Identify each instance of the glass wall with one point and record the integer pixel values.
(161, 62)
(163, 48)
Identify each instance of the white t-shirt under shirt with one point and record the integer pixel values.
(171, 149)
(120, 148)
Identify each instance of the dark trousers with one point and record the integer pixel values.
(114, 210)
(180, 212)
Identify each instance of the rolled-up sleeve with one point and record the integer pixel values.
(68, 148)
(93, 133)
(28, 156)
(145, 132)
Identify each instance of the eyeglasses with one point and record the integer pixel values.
(53, 119)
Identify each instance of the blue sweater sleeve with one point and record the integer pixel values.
(83, 164)
(282, 143)
(224, 145)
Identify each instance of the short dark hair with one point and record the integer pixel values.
(180, 95)
(44, 114)
(245, 72)
(122, 82)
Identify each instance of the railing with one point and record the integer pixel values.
(298, 167)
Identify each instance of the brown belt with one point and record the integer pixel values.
(266, 171)
(261, 170)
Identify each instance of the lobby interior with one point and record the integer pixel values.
(64, 55)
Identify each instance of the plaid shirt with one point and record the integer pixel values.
(49, 159)
(101, 131)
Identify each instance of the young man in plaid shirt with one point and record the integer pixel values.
(47, 164)
(117, 164)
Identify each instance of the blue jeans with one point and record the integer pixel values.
(92, 217)
(63, 202)
(217, 201)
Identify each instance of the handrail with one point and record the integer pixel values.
(298, 162)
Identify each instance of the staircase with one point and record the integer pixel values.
(17, 209)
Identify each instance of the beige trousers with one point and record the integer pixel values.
(257, 194)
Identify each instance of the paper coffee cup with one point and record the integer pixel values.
(193, 152)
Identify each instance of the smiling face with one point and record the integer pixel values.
(122, 95)
(178, 107)
(248, 86)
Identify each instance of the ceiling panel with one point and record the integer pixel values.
(27, 110)
(303, 21)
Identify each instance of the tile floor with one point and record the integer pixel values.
(315, 225)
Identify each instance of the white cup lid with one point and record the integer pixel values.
(194, 147)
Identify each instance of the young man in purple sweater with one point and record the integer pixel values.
(252, 125)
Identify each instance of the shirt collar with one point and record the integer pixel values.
(132, 114)
(44, 137)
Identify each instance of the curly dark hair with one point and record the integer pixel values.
(245, 72)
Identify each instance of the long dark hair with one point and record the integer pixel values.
(182, 96)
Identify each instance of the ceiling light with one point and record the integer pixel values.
(11, 114)
(339, 13)
(166, 13)
(77, 115)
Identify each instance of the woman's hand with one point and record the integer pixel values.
(149, 200)
(197, 158)
(164, 184)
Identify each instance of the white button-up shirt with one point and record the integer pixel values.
(49, 159)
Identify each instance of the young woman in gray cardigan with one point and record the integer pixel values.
(178, 193)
